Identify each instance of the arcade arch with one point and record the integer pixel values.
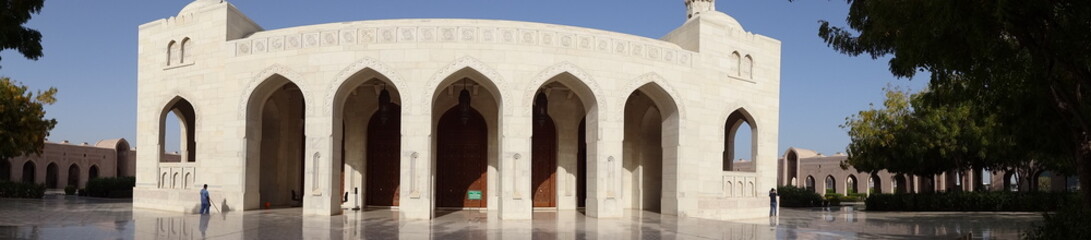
(367, 126)
(851, 185)
(466, 110)
(29, 171)
(831, 185)
(810, 184)
(275, 141)
(52, 176)
(92, 173)
(562, 105)
(74, 175)
(650, 147)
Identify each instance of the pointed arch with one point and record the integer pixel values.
(185, 53)
(277, 74)
(275, 111)
(731, 128)
(172, 52)
(187, 116)
(571, 76)
(666, 95)
(466, 66)
(735, 65)
(747, 67)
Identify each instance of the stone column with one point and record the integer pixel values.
(416, 201)
(320, 173)
(516, 197)
(604, 149)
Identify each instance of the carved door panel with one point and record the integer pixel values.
(544, 167)
(383, 162)
(581, 166)
(461, 159)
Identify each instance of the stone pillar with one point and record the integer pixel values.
(320, 172)
(516, 195)
(416, 201)
(604, 149)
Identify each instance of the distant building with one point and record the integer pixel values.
(823, 174)
(64, 164)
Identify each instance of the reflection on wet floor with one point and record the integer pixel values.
(59, 217)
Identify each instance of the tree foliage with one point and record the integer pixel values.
(13, 35)
(23, 126)
(1026, 62)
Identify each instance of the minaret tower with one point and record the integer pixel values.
(696, 7)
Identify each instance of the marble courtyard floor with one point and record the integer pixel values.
(60, 217)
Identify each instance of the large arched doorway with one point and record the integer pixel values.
(5, 170)
(28, 172)
(875, 184)
(383, 148)
(74, 176)
(543, 154)
(466, 115)
(52, 177)
(900, 184)
(275, 145)
(367, 125)
(561, 108)
(740, 143)
(92, 173)
(462, 159)
(650, 145)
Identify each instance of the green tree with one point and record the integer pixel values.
(912, 135)
(13, 35)
(1027, 61)
(23, 126)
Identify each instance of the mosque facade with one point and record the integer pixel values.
(427, 115)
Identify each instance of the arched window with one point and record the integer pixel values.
(740, 143)
(810, 183)
(172, 52)
(163, 181)
(831, 184)
(185, 54)
(177, 132)
(734, 64)
(730, 189)
(747, 67)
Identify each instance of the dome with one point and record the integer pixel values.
(198, 4)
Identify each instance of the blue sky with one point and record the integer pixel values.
(90, 53)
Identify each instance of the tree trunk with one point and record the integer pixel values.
(1083, 169)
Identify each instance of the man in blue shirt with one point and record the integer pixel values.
(773, 202)
(205, 201)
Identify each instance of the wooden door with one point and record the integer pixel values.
(581, 166)
(461, 158)
(383, 164)
(544, 166)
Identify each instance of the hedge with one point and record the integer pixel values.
(119, 187)
(21, 190)
(1068, 223)
(971, 201)
(798, 197)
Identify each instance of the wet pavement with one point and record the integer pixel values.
(63, 217)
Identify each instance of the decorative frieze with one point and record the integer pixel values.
(664, 51)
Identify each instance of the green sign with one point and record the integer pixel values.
(474, 195)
